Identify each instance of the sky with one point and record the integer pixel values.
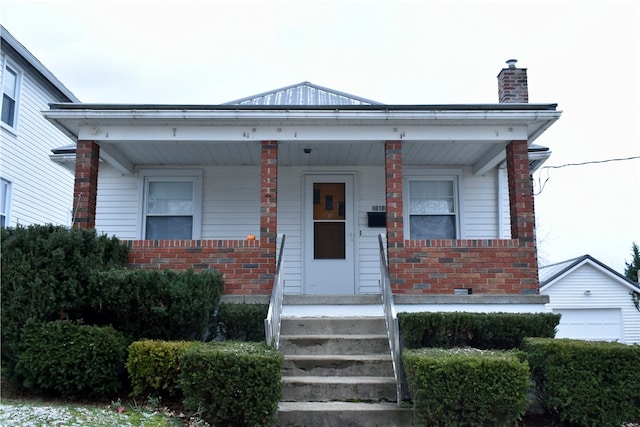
(583, 55)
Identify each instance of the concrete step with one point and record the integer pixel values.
(335, 388)
(333, 326)
(343, 414)
(338, 365)
(334, 344)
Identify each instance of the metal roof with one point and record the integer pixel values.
(304, 93)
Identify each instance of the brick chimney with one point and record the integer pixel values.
(512, 84)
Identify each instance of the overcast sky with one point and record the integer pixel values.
(582, 55)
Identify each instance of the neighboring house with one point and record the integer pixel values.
(595, 301)
(33, 190)
(448, 186)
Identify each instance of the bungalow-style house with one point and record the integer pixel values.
(448, 187)
(33, 190)
(595, 301)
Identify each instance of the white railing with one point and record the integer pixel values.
(391, 318)
(274, 315)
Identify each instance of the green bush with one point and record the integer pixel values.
(154, 304)
(586, 383)
(466, 387)
(242, 322)
(71, 359)
(46, 274)
(231, 383)
(478, 330)
(154, 366)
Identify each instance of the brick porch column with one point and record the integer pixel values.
(86, 184)
(393, 189)
(269, 194)
(520, 192)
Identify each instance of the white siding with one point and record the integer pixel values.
(230, 202)
(606, 292)
(480, 201)
(42, 191)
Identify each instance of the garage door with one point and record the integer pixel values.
(602, 324)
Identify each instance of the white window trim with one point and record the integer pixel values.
(7, 197)
(454, 175)
(19, 73)
(195, 175)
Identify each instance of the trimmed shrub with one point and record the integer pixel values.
(586, 383)
(242, 322)
(71, 359)
(231, 383)
(478, 330)
(154, 366)
(466, 387)
(154, 304)
(46, 275)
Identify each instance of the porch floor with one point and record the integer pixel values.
(332, 306)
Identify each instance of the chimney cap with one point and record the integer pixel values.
(511, 63)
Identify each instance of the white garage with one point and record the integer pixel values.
(594, 300)
(604, 324)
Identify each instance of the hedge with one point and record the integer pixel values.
(242, 322)
(232, 384)
(47, 273)
(478, 330)
(586, 383)
(71, 359)
(466, 387)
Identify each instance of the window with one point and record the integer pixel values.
(432, 208)
(10, 85)
(5, 202)
(171, 207)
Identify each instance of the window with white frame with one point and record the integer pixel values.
(432, 208)
(171, 206)
(5, 202)
(10, 90)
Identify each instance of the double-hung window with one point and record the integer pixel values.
(5, 202)
(10, 90)
(432, 208)
(171, 206)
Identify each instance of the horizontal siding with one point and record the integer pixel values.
(569, 292)
(42, 191)
(480, 201)
(118, 205)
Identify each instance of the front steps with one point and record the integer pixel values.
(338, 372)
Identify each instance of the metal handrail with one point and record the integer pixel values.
(391, 318)
(274, 315)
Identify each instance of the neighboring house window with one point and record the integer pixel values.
(432, 208)
(5, 202)
(171, 207)
(10, 85)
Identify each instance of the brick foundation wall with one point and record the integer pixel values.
(248, 267)
(500, 266)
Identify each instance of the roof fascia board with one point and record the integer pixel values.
(229, 133)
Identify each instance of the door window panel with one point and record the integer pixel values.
(329, 221)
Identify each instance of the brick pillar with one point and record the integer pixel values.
(269, 194)
(86, 184)
(512, 84)
(393, 187)
(520, 192)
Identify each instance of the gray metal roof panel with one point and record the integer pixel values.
(302, 94)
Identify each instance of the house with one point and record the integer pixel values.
(33, 190)
(448, 187)
(596, 302)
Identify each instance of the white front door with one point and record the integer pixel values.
(329, 266)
